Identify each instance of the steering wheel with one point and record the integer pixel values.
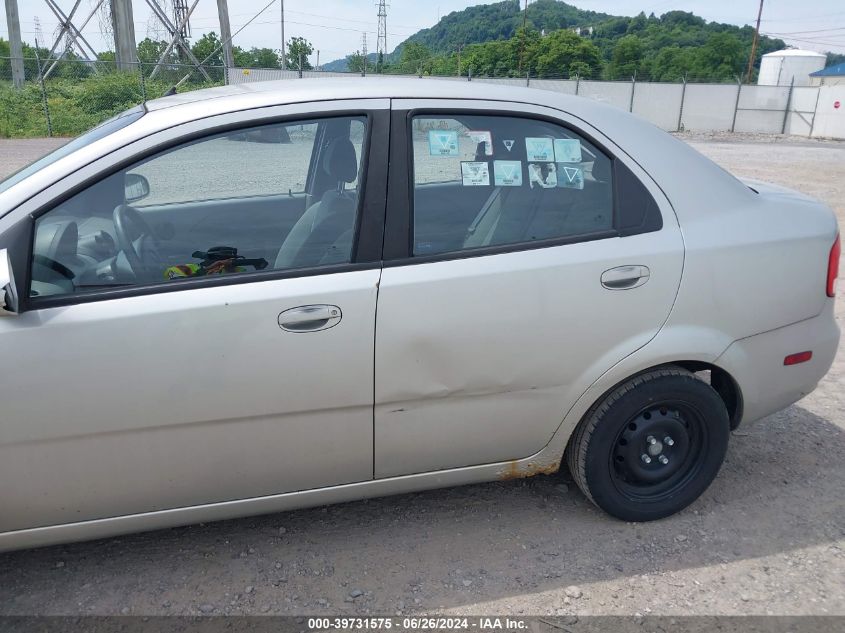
(53, 265)
(125, 219)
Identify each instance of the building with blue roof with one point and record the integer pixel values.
(830, 76)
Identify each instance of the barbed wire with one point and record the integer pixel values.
(79, 94)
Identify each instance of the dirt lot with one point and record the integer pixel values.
(767, 538)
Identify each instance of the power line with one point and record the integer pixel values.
(839, 28)
(818, 42)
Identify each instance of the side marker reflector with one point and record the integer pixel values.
(797, 359)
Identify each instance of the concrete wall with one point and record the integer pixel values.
(830, 121)
(672, 107)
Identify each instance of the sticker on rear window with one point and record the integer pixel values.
(507, 173)
(475, 174)
(540, 150)
(567, 150)
(571, 177)
(481, 136)
(542, 175)
(443, 143)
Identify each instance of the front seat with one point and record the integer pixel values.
(324, 233)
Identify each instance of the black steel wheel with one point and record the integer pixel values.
(652, 446)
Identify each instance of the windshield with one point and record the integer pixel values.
(104, 129)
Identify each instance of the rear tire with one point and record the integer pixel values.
(651, 446)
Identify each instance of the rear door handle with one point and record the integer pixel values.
(314, 318)
(625, 277)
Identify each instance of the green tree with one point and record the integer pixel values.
(299, 49)
(355, 62)
(208, 49)
(415, 57)
(627, 58)
(722, 57)
(565, 54)
(150, 51)
(834, 59)
(256, 58)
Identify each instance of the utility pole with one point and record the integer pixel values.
(14, 22)
(364, 53)
(126, 50)
(754, 45)
(225, 33)
(381, 43)
(522, 39)
(460, 49)
(284, 55)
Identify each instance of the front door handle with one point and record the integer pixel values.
(314, 318)
(625, 277)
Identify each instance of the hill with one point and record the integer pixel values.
(488, 40)
(500, 21)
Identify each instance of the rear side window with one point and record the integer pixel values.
(482, 181)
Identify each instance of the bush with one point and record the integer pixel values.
(77, 104)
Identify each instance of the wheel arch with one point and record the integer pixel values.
(723, 383)
(719, 379)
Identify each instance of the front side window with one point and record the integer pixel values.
(482, 181)
(274, 197)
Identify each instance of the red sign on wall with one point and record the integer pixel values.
(837, 104)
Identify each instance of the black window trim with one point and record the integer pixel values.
(367, 244)
(398, 248)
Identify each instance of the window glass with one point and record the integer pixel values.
(274, 197)
(101, 131)
(484, 181)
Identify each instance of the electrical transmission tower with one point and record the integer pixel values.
(381, 45)
(181, 16)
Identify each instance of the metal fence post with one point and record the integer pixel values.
(528, 79)
(815, 111)
(736, 105)
(469, 75)
(788, 105)
(143, 82)
(633, 89)
(43, 92)
(681, 110)
(577, 84)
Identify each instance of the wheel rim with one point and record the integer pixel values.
(658, 451)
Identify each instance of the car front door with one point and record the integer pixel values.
(199, 326)
(531, 256)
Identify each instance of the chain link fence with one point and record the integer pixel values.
(66, 97)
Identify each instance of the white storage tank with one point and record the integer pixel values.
(779, 68)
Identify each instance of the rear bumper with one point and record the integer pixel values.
(756, 363)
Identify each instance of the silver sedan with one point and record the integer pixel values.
(254, 298)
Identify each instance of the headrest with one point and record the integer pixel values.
(602, 169)
(340, 161)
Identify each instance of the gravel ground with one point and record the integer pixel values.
(767, 538)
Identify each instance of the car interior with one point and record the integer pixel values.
(451, 216)
(114, 233)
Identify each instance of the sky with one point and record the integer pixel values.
(336, 27)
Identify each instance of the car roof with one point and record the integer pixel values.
(290, 91)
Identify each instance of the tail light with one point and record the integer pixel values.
(833, 267)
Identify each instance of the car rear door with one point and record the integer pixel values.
(530, 256)
(201, 388)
